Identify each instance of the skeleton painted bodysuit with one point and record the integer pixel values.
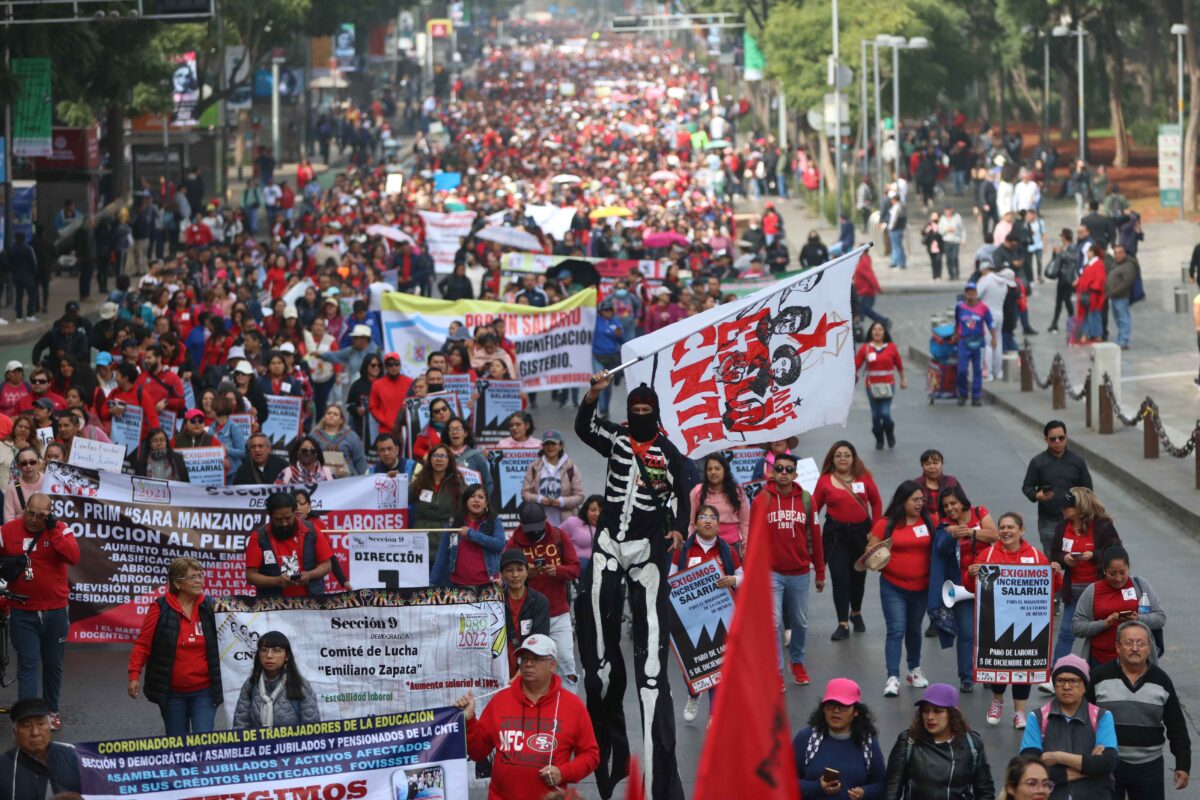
(630, 552)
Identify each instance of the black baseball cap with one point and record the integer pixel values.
(28, 708)
(513, 556)
(533, 517)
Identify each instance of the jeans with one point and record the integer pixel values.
(1120, 309)
(959, 177)
(188, 712)
(843, 545)
(866, 304)
(564, 639)
(1092, 327)
(1065, 639)
(897, 240)
(903, 611)
(321, 392)
(995, 358)
(1139, 781)
(881, 416)
(29, 290)
(40, 639)
(952, 249)
(970, 361)
(791, 600)
(251, 219)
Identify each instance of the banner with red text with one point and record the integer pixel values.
(129, 528)
(443, 230)
(553, 344)
(773, 365)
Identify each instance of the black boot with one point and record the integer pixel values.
(878, 431)
(889, 429)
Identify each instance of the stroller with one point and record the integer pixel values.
(942, 376)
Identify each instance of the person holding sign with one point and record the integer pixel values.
(462, 444)
(287, 557)
(471, 557)
(127, 394)
(1010, 548)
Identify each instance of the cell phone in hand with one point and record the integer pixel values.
(831, 775)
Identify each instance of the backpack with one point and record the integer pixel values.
(1094, 713)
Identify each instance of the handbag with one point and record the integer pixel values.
(881, 391)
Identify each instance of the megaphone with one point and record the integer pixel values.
(952, 594)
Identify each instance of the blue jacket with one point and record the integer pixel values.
(32, 777)
(492, 542)
(606, 341)
(847, 758)
(235, 445)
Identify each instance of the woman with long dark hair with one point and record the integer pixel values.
(721, 490)
(435, 494)
(461, 442)
(939, 756)
(841, 735)
(904, 580)
(581, 528)
(156, 459)
(471, 557)
(306, 463)
(1086, 531)
(850, 498)
(358, 399)
(275, 694)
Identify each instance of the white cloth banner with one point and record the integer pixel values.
(442, 234)
(772, 365)
(374, 650)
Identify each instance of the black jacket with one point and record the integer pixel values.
(939, 771)
(54, 344)
(142, 456)
(1103, 231)
(162, 651)
(456, 287)
(534, 617)
(1060, 474)
(33, 777)
(248, 474)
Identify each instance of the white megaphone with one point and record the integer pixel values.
(952, 594)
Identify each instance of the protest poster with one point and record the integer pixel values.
(127, 428)
(463, 387)
(742, 461)
(701, 613)
(189, 395)
(169, 422)
(411, 754)
(374, 650)
(497, 401)
(242, 421)
(388, 560)
(45, 436)
(185, 91)
(471, 477)
(1014, 611)
(90, 454)
(129, 528)
(508, 474)
(283, 420)
(418, 408)
(752, 488)
(442, 233)
(553, 344)
(205, 465)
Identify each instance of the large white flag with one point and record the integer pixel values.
(771, 365)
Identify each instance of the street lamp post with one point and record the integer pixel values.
(1179, 30)
(1079, 33)
(878, 124)
(898, 43)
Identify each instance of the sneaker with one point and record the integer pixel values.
(3, 321)
(1019, 721)
(965, 686)
(856, 620)
(55, 721)
(800, 675)
(787, 636)
(892, 687)
(917, 679)
(840, 633)
(31, 319)
(1046, 688)
(976, 403)
(994, 711)
(691, 709)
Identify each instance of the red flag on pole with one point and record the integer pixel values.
(748, 749)
(635, 791)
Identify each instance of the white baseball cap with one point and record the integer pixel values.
(287, 347)
(360, 330)
(538, 645)
(244, 368)
(14, 364)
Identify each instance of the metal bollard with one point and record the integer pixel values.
(1058, 392)
(1008, 364)
(1183, 304)
(1026, 371)
(1149, 437)
(1106, 412)
(1087, 404)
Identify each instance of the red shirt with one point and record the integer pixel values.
(289, 554)
(968, 554)
(784, 519)
(163, 385)
(133, 397)
(1073, 542)
(881, 362)
(12, 398)
(840, 504)
(1108, 600)
(469, 566)
(911, 546)
(189, 673)
(56, 550)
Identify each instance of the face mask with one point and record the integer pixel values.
(158, 454)
(643, 427)
(434, 388)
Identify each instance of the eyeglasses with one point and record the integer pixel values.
(27, 463)
(1066, 681)
(710, 517)
(786, 470)
(1038, 783)
(442, 456)
(375, 365)
(1056, 438)
(273, 651)
(36, 514)
(39, 381)
(306, 451)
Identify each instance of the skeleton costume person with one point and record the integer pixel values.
(645, 511)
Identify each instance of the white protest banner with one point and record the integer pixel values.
(388, 560)
(283, 420)
(129, 529)
(442, 234)
(169, 422)
(373, 649)
(701, 613)
(127, 428)
(463, 387)
(205, 465)
(410, 755)
(394, 183)
(45, 436)
(770, 366)
(90, 454)
(807, 473)
(553, 344)
(1014, 609)
(508, 475)
(498, 400)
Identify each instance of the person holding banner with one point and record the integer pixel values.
(541, 734)
(305, 513)
(276, 694)
(1108, 602)
(156, 459)
(435, 493)
(471, 557)
(287, 557)
(261, 465)
(177, 647)
(838, 754)
(1010, 548)
(27, 482)
(720, 489)
(306, 463)
(848, 495)
(555, 565)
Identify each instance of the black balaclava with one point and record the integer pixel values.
(642, 427)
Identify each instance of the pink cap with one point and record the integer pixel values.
(843, 691)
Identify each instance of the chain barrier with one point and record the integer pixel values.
(1148, 411)
(1033, 369)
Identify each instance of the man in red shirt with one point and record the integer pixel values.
(37, 550)
(287, 557)
(784, 512)
(553, 564)
(164, 387)
(388, 394)
(14, 390)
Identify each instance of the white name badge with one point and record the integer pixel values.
(920, 531)
(858, 487)
(1068, 544)
(1129, 594)
(426, 495)
(268, 557)
(1028, 560)
(871, 356)
(285, 386)
(526, 627)
(693, 561)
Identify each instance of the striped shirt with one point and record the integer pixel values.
(1141, 711)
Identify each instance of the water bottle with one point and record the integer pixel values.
(1144, 606)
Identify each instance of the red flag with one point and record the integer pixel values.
(748, 750)
(635, 791)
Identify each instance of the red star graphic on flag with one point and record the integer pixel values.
(819, 337)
